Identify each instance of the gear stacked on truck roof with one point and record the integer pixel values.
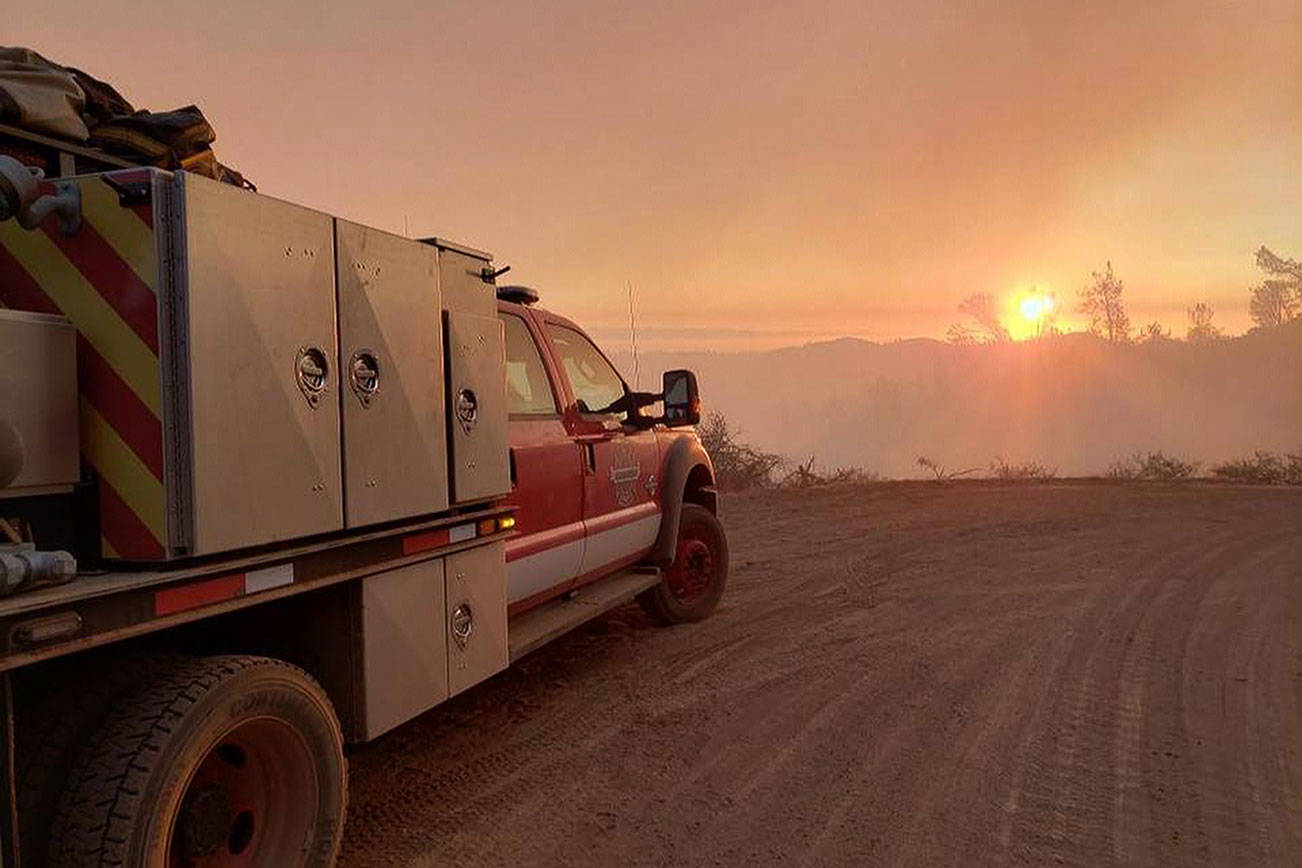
(40, 99)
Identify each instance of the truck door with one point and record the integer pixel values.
(546, 474)
(620, 513)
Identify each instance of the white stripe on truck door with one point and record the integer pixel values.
(537, 572)
(619, 542)
(556, 565)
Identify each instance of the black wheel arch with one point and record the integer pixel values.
(689, 478)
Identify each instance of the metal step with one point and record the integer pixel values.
(531, 630)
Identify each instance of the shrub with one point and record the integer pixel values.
(856, 475)
(805, 476)
(1152, 466)
(941, 472)
(1121, 470)
(1001, 469)
(1263, 468)
(737, 465)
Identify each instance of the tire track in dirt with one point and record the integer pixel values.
(1063, 808)
(900, 674)
(1124, 686)
(1242, 661)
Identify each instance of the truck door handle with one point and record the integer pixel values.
(590, 456)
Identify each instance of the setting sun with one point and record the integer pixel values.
(1030, 313)
(1035, 307)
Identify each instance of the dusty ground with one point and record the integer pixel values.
(903, 674)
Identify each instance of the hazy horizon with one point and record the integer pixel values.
(619, 339)
(1076, 405)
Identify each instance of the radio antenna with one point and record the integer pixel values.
(632, 334)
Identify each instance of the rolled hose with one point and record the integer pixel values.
(18, 186)
(20, 197)
(20, 569)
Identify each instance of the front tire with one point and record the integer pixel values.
(693, 584)
(218, 762)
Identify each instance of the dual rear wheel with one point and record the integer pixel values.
(218, 762)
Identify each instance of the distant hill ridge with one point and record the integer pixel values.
(1073, 402)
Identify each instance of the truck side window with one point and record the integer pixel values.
(596, 384)
(528, 390)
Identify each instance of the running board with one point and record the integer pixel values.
(531, 630)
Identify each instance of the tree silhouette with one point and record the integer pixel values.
(1273, 303)
(1200, 323)
(1153, 332)
(1277, 265)
(960, 335)
(981, 307)
(1101, 302)
(1278, 298)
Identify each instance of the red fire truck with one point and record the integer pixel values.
(272, 482)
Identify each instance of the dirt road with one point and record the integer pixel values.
(900, 674)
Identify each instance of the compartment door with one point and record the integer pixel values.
(259, 309)
(404, 644)
(477, 407)
(391, 364)
(476, 606)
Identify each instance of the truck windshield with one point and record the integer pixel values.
(595, 382)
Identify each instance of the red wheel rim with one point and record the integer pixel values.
(692, 572)
(252, 800)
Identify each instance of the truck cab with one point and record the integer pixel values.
(599, 485)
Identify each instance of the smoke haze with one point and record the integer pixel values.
(824, 168)
(1074, 403)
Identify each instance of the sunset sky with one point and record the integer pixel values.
(762, 173)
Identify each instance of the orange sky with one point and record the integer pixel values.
(762, 173)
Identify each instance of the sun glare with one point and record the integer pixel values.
(1036, 307)
(1030, 313)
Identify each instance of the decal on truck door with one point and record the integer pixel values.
(624, 473)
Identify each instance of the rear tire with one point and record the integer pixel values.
(219, 761)
(693, 584)
(53, 729)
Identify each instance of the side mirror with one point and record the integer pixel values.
(682, 398)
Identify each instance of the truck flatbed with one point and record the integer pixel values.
(97, 609)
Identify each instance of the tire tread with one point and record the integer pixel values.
(106, 787)
(51, 731)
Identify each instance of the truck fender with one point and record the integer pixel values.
(688, 476)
